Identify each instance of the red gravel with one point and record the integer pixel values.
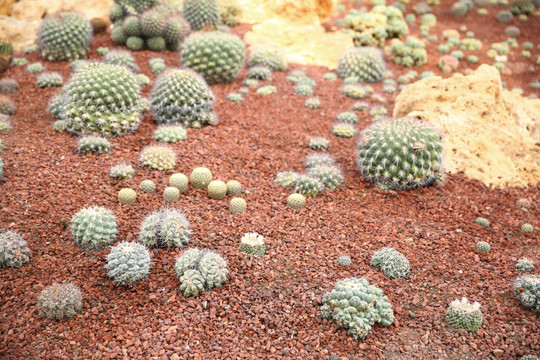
(269, 308)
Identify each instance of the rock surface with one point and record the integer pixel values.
(490, 132)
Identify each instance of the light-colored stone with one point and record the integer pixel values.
(490, 133)
(5, 7)
(21, 33)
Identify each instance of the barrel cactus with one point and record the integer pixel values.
(391, 262)
(318, 143)
(128, 262)
(94, 228)
(95, 145)
(201, 177)
(165, 228)
(482, 222)
(158, 158)
(527, 290)
(201, 14)
(122, 58)
(217, 189)
(237, 205)
(268, 56)
(400, 154)
(13, 249)
(366, 63)
(59, 301)
(463, 315)
(64, 36)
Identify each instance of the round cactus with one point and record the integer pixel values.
(201, 177)
(132, 26)
(344, 130)
(59, 301)
(128, 262)
(192, 283)
(35, 68)
(13, 249)
(158, 158)
(260, 73)
(253, 243)
(127, 196)
(270, 57)
(366, 63)
(121, 172)
(147, 186)
(7, 107)
(171, 194)
(202, 270)
(237, 205)
(201, 14)
(527, 290)
(391, 262)
(170, 133)
(286, 178)
(401, 153)
(344, 260)
(296, 201)
(354, 91)
(318, 143)
(95, 145)
(93, 228)
(464, 315)
(157, 65)
(312, 103)
(9, 86)
(214, 269)
(179, 181)
(330, 176)
(217, 189)
(121, 58)
(102, 99)
(347, 117)
(234, 187)
(217, 56)
(303, 90)
(483, 247)
(166, 228)
(319, 159)
(152, 24)
(482, 222)
(525, 265)
(527, 228)
(49, 79)
(56, 106)
(308, 186)
(64, 36)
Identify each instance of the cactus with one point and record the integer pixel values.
(308, 186)
(110, 108)
(201, 14)
(253, 243)
(464, 315)
(127, 196)
(270, 57)
(121, 172)
(237, 205)
(7, 107)
(93, 145)
(527, 290)
(355, 305)
(165, 228)
(354, 91)
(235, 97)
(93, 228)
(1, 169)
(64, 36)
(391, 262)
(365, 63)
(118, 36)
(330, 176)
(525, 265)
(234, 187)
(192, 283)
(330, 76)
(200, 267)
(121, 58)
(59, 301)
(9, 86)
(319, 159)
(401, 153)
(13, 249)
(152, 24)
(157, 65)
(6, 55)
(5, 124)
(482, 222)
(312, 103)
(181, 96)
(504, 16)
(216, 56)
(201, 177)
(49, 79)
(303, 90)
(179, 181)
(147, 186)
(347, 117)
(296, 201)
(170, 133)
(128, 262)
(158, 158)
(410, 53)
(171, 194)
(267, 90)
(483, 247)
(56, 106)
(286, 178)
(318, 143)
(260, 73)
(520, 7)
(360, 106)
(229, 14)
(217, 190)
(19, 61)
(343, 130)
(448, 63)
(527, 228)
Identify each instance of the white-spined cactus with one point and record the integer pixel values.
(128, 262)
(165, 228)
(330, 176)
(308, 186)
(527, 290)
(464, 315)
(59, 301)
(366, 63)
(391, 262)
(253, 243)
(94, 228)
(158, 158)
(13, 250)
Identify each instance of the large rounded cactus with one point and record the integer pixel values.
(201, 14)
(365, 63)
(94, 228)
(64, 36)
(128, 262)
(400, 154)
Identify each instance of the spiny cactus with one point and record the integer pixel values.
(312, 103)
(260, 73)
(121, 58)
(482, 222)
(127, 196)
(201, 177)
(202, 14)
(527, 228)
(234, 187)
(522, 7)
(56, 106)
(253, 243)
(347, 117)
(343, 130)
(217, 189)
(128, 262)
(525, 265)
(286, 178)
(7, 107)
(64, 36)
(267, 90)
(355, 305)
(93, 228)
(308, 186)
(157, 65)
(179, 181)
(19, 61)
(319, 159)
(93, 145)
(409, 53)
(6, 55)
(354, 91)
(330, 176)
(170, 133)
(504, 16)
(527, 290)
(229, 13)
(5, 124)
(483, 247)
(391, 262)
(59, 301)
(296, 201)
(180, 96)
(121, 172)
(102, 99)
(464, 315)
(268, 56)
(171, 194)
(13, 249)
(235, 97)
(165, 228)
(318, 143)
(344, 260)
(158, 158)
(216, 56)
(147, 186)
(401, 153)
(237, 205)
(9, 86)
(366, 63)
(49, 79)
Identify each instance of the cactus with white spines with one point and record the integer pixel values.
(93, 228)
(391, 262)
(128, 262)
(158, 158)
(14, 251)
(330, 176)
(463, 315)
(121, 172)
(95, 145)
(308, 186)
(59, 301)
(527, 290)
(165, 228)
(366, 63)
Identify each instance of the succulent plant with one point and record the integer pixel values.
(409, 53)
(56, 106)
(268, 56)
(19, 61)
(482, 221)
(95, 145)
(234, 187)
(200, 267)
(354, 91)
(170, 133)
(217, 189)
(527, 228)
(366, 63)
(347, 117)
(330, 176)
(318, 143)
(527, 290)
(201, 14)
(121, 172)
(520, 7)
(319, 159)
(355, 305)
(286, 178)
(64, 36)
(303, 90)
(330, 76)
(6, 55)
(237, 205)
(93, 228)
(5, 124)
(49, 79)
(7, 107)
(525, 265)
(235, 97)
(463, 315)
(267, 90)
(147, 186)
(216, 56)
(165, 228)
(308, 186)
(121, 58)
(296, 201)
(13, 249)
(127, 196)
(391, 262)
(59, 301)
(343, 130)
(180, 96)
(8, 86)
(171, 194)
(158, 158)
(344, 260)
(253, 243)
(1, 169)
(312, 103)
(360, 106)
(128, 262)
(201, 177)
(260, 73)
(372, 28)
(251, 83)
(157, 65)
(483, 247)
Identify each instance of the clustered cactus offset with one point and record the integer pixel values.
(165, 228)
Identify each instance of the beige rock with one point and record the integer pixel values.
(490, 133)
(5, 7)
(21, 33)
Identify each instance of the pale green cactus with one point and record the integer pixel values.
(217, 189)
(237, 205)
(201, 177)
(127, 196)
(128, 262)
(93, 228)
(14, 251)
(464, 315)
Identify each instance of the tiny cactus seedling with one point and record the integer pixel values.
(523, 204)
(157, 65)
(121, 172)
(13, 249)
(165, 228)
(93, 228)
(527, 228)
(482, 222)
(158, 158)
(296, 201)
(347, 117)
(179, 181)
(483, 247)
(171, 194)
(527, 290)
(217, 189)
(59, 301)
(343, 130)
(525, 265)
(344, 260)
(237, 205)
(201, 177)
(318, 143)
(127, 196)
(391, 262)
(253, 243)
(463, 315)
(147, 186)
(234, 187)
(128, 262)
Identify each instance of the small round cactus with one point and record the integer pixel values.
(354, 91)
(59, 301)
(308, 186)
(391, 262)
(217, 189)
(49, 79)
(330, 176)
(93, 228)
(35, 68)
(312, 103)
(7, 107)
(319, 159)
(303, 90)
(234, 187)
(127, 196)
(179, 181)
(366, 63)
(170, 133)
(330, 76)
(344, 260)
(523, 203)
(527, 228)
(267, 90)
(158, 158)
(347, 117)
(235, 97)
(171, 194)
(13, 249)
(464, 315)
(260, 73)
(237, 205)
(121, 172)
(482, 222)
(527, 290)
(147, 186)
(483, 247)
(128, 262)
(296, 201)
(165, 228)
(318, 143)
(157, 65)
(121, 58)
(270, 57)
(201, 177)
(253, 243)
(9, 86)
(286, 178)
(343, 130)
(525, 265)
(199, 270)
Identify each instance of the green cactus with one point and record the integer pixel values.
(527, 290)
(267, 90)
(520, 7)
(260, 73)
(343, 130)
(527, 228)
(128, 262)
(7, 107)
(118, 36)
(344, 260)
(308, 186)
(35, 68)
(13, 249)
(93, 145)
(64, 36)
(121, 58)
(147, 186)
(296, 201)
(192, 283)
(366, 63)
(237, 205)
(19, 61)
(165, 228)
(525, 265)
(202, 14)
(319, 159)
(330, 176)
(171, 194)
(318, 143)
(482, 222)
(229, 14)
(391, 262)
(9, 86)
(409, 53)
(157, 65)
(121, 172)
(201, 177)
(158, 158)
(93, 228)
(312, 103)
(464, 315)
(303, 90)
(483, 247)
(49, 79)
(217, 189)
(179, 181)
(286, 178)
(59, 301)
(6, 55)
(127, 196)
(234, 187)
(354, 91)
(170, 133)
(270, 57)
(202, 269)
(253, 243)
(235, 97)
(347, 117)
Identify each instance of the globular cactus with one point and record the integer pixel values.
(128, 262)
(170, 133)
(267, 90)
(132, 26)
(18, 61)
(93, 228)
(504, 16)
(344, 130)
(522, 7)
(527, 228)
(216, 56)
(401, 153)
(179, 181)
(165, 228)
(35, 68)
(330, 176)
(355, 305)
(9, 86)
(525, 265)
(391, 262)
(121, 172)
(127, 196)
(49, 79)
(56, 106)
(152, 24)
(286, 178)
(235, 97)
(347, 117)
(229, 14)
(5, 124)
(157, 65)
(201, 14)
(13, 249)
(147, 186)
(217, 189)
(319, 159)
(253, 243)
(180, 96)
(59, 301)
(192, 283)
(464, 315)
(270, 57)
(482, 222)
(234, 187)
(171, 194)
(354, 91)
(318, 143)
(483, 247)
(201, 177)
(158, 158)
(312, 103)
(344, 260)
(121, 58)
(303, 90)
(64, 36)
(296, 201)
(527, 290)
(102, 99)
(1, 169)
(308, 186)
(95, 145)
(6, 55)
(260, 73)
(7, 107)
(366, 63)
(237, 205)
(410, 52)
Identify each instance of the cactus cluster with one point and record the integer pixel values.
(374, 27)
(463, 315)
(355, 305)
(59, 301)
(229, 13)
(121, 172)
(270, 57)
(200, 270)
(366, 63)
(308, 186)
(93, 228)
(527, 290)
(13, 249)
(216, 56)
(330, 176)
(391, 262)
(286, 178)
(158, 158)
(170, 133)
(95, 145)
(49, 79)
(520, 7)
(167, 228)
(181, 96)
(64, 36)
(313, 160)
(202, 14)
(128, 262)
(253, 243)
(260, 73)
(179, 181)
(411, 52)
(525, 265)
(9, 86)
